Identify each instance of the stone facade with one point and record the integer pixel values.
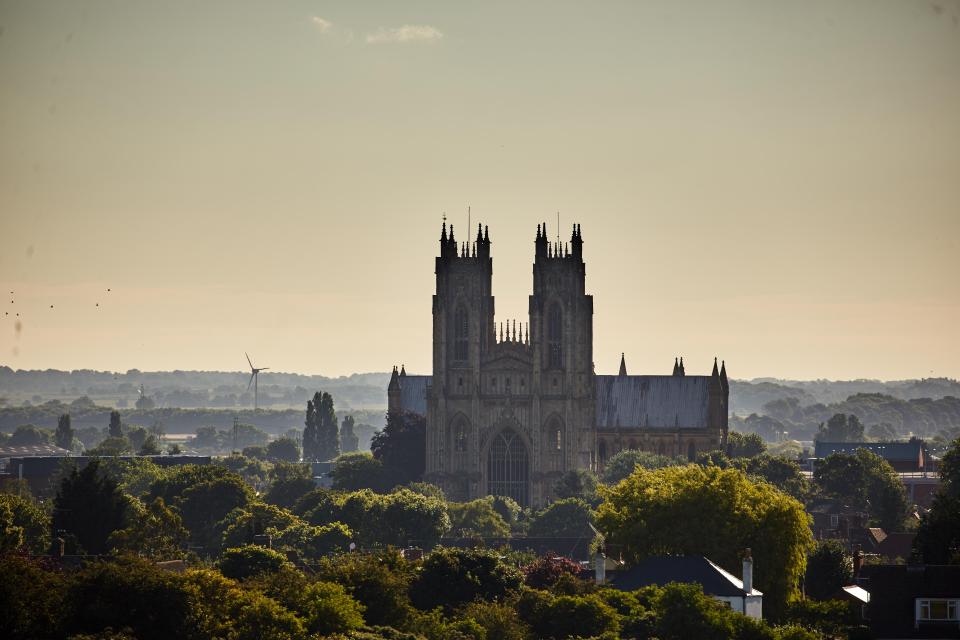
(511, 407)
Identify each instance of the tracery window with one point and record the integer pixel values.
(554, 337)
(461, 340)
(508, 467)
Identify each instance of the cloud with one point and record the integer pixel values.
(322, 25)
(406, 33)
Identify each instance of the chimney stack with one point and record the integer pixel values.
(747, 572)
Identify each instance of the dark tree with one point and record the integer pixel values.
(150, 447)
(744, 445)
(349, 441)
(114, 429)
(829, 569)
(866, 481)
(65, 434)
(841, 428)
(89, 507)
(328, 431)
(402, 446)
(311, 438)
(450, 578)
(938, 537)
(576, 483)
(284, 450)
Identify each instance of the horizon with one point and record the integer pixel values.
(770, 184)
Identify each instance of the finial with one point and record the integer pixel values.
(538, 231)
(486, 233)
(451, 234)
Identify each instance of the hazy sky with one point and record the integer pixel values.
(775, 183)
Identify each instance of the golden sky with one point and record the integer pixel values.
(774, 183)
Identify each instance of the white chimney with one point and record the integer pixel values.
(747, 572)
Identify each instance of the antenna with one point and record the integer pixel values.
(469, 221)
(254, 380)
(558, 228)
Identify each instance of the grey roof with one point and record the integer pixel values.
(413, 393)
(900, 451)
(33, 450)
(662, 570)
(652, 401)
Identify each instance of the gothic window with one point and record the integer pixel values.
(461, 339)
(508, 467)
(692, 452)
(602, 452)
(554, 340)
(553, 444)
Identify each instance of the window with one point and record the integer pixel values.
(508, 467)
(552, 444)
(692, 452)
(937, 610)
(834, 520)
(554, 340)
(602, 452)
(461, 340)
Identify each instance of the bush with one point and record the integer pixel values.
(544, 572)
(250, 560)
(449, 578)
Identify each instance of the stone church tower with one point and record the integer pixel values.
(510, 407)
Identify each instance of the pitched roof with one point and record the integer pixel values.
(662, 570)
(413, 393)
(900, 451)
(652, 401)
(32, 450)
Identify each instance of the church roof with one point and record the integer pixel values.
(652, 401)
(413, 393)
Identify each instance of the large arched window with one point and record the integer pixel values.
(554, 340)
(461, 335)
(508, 467)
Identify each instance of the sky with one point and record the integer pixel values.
(773, 183)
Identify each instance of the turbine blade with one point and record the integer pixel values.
(248, 359)
(263, 368)
(252, 376)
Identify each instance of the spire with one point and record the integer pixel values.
(623, 364)
(723, 375)
(394, 380)
(443, 234)
(676, 367)
(479, 233)
(486, 234)
(716, 373)
(403, 371)
(682, 370)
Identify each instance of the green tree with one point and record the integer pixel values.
(249, 560)
(402, 446)
(153, 531)
(379, 581)
(865, 481)
(115, 429)
(829, 569)
(781, 472)
(65, 434)
(311, 430)
(450, 578)
(110, 447)
(476, 518)
(242, 524)
(283, 449)
(89, 506)
(23, 523)
(711, 512)
(567, 616)
(150, 447)
(329, 609)
(28, 436)
(938, 536)
(287, 491)
(576, 483)
(744, 445)
(256, 451)
(683, 611)
(622, 464)
(328, 431)
(348, 439)
(359, 470)
(567, 518)
(841, 428)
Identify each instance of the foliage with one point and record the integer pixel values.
(782, 473)
(451, 577)
(257, 451)
(576, 483)
(348, 439)
(89, 506)
(545, 571)
(250, 560)
(569, 518)
(285, 493)
(321, 438)
(432, 491)
(283, 449)
(307, 542)
(841, 428)
(711, 512)
(153, 530)
(23, 523)
(938, 536)
(567, 616)
(150, 447)
(64, 434)
(252, 470)
(829, 617)
(829, 569)
(622, 464)
(359, 470)
(379, 581)
(329, 609)
(498, 620)
(115, 429)
(476, 518)
(28, 435)
(255, 518)
(744, 445)
(865, 481)
(32, 598)
(111, 447)
(402, 446)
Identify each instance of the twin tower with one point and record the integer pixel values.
(512, 406)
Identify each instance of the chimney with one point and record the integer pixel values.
(599, 568)
(747, 572)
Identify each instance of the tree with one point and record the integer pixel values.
(379, 581)
(285, 492)
(841, 428)
(744, 445)
(65, 434)
(545, 571)
(622, 464)
(243, 562)
(110, 447)
(23, 523)
(259, 452)
(283, 449)
(348, 439)
(450, 578)
(781, 472)
(311, 431)
(89, 507)
(359, 470)
(476, 518)
(28, 436)
(402, 446)
(576, 483)
(115, 429)
(328, 609)
(712, 512)
(567, 616)
(568, 518)
(241, 525)
(829, 569)
(864, 480)
(938, 537)
(150, 447)
(328, 432)
(153, 530)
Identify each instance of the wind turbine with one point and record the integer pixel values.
(254, 379)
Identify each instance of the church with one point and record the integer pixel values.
(511, 407)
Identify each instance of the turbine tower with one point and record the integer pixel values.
(254, 380)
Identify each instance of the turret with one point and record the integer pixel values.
(623, 365)
(681, 371)
(393, 392)
(715, 401)
(541, 242)
(576, 243)
(676, 368)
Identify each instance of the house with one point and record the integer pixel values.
(738, 593)
(904, 457)
(914, 600)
